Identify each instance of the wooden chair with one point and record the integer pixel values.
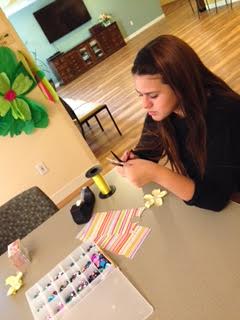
(81, 111)
(203, 5)
(22, 214)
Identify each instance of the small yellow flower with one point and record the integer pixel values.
(15, 283)
(155, 198)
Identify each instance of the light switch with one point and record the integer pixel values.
(41, 168)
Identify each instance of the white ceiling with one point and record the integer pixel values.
(12, 6)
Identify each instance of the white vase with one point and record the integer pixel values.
(107, 23)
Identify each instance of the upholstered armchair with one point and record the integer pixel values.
(22, 214)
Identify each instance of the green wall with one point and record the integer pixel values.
(140, 12)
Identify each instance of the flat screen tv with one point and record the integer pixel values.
(61, 17)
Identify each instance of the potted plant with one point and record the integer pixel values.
(105, 19)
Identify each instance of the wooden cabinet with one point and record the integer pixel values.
(103, 42)
(110, 38)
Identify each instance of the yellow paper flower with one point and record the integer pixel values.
(155, 198)
(15, 282)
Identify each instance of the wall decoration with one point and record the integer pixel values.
(18, 113)
(39, 76)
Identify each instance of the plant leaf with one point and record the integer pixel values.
(22, 84)
(8, 62)
(4, 83)
(21, 110)
(4, 106)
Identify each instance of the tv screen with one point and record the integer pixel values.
(61, 17)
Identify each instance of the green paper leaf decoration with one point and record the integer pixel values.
(21, 84)
(8, 62)
(18, 113)
(14, 110)
(16, 127)
(4, 83)
(5, 124)
(21, 109)
(21, 70)
(39, 114)
(4, 106)
(29, 127)
(8, 125)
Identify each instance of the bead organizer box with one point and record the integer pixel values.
(69, 282)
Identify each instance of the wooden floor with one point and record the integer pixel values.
(215, 37)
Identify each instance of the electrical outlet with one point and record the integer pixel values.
(131, 22)
(41, 168)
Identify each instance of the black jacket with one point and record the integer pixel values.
(222, 175)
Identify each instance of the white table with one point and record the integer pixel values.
(188, 268)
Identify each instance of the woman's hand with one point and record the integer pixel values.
(139, 172)
(128, 155)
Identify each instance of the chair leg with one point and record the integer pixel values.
(88, 124)
(198, 13)
(190, 3)
(120, 133)
(83, 133)
(215, 1)
(80, 127)
(207, 4)
(99, 123)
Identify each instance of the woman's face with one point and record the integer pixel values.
(158, 99)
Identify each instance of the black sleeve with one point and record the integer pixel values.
(213, 192)
(222, 176)
(149, 145)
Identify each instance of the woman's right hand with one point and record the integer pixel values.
(128, 155)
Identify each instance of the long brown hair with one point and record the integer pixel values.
(192, 82)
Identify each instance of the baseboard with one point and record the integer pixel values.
(66, 191)
(146, 26)
(74, 194)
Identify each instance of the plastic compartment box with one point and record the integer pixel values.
(77, 281)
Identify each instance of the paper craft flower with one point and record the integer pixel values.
(11, 96)
(155, 198)
(15, 282)
(17, 112)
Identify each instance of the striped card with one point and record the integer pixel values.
(114, 231)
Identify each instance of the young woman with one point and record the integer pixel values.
(192, 120)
